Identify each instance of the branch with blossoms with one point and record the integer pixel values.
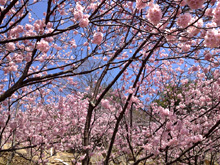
(131, 80)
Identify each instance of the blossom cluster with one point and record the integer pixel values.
(97, 38)
(184, 19)
(212, 38)
(141, 4)
(10, 46)
(195, 4)
(79, 16)
(43, 46)
(154, 14)
(216, 12)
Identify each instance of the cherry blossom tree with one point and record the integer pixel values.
(150, 47)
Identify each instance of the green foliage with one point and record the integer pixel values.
(171, 93)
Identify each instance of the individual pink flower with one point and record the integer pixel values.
(195, 4)
(10, 46)
(73, 43)
(105, 59)
(185, 47)
(165, 112)
(84, 22)
(184, 20)
(78, 15)
(154, 14)
(105, 103)
(75, 32)
(43, 46)
(19, 28)
(97, 38)
(49, 25)
(195, 68)
(79, 7)
(28, 27)
(130, 91)
(140, 4)
(208, 56)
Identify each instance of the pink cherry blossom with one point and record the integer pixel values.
(184, 20)
(10, 46)
(97, 38)
(84, 22)
(195, 4)
(78, 15)
(165, 112)
(216, 13)
(105, 104)
(141, 4)
(211, 38)
(154, 14)
(43, 46)
(105, 59)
